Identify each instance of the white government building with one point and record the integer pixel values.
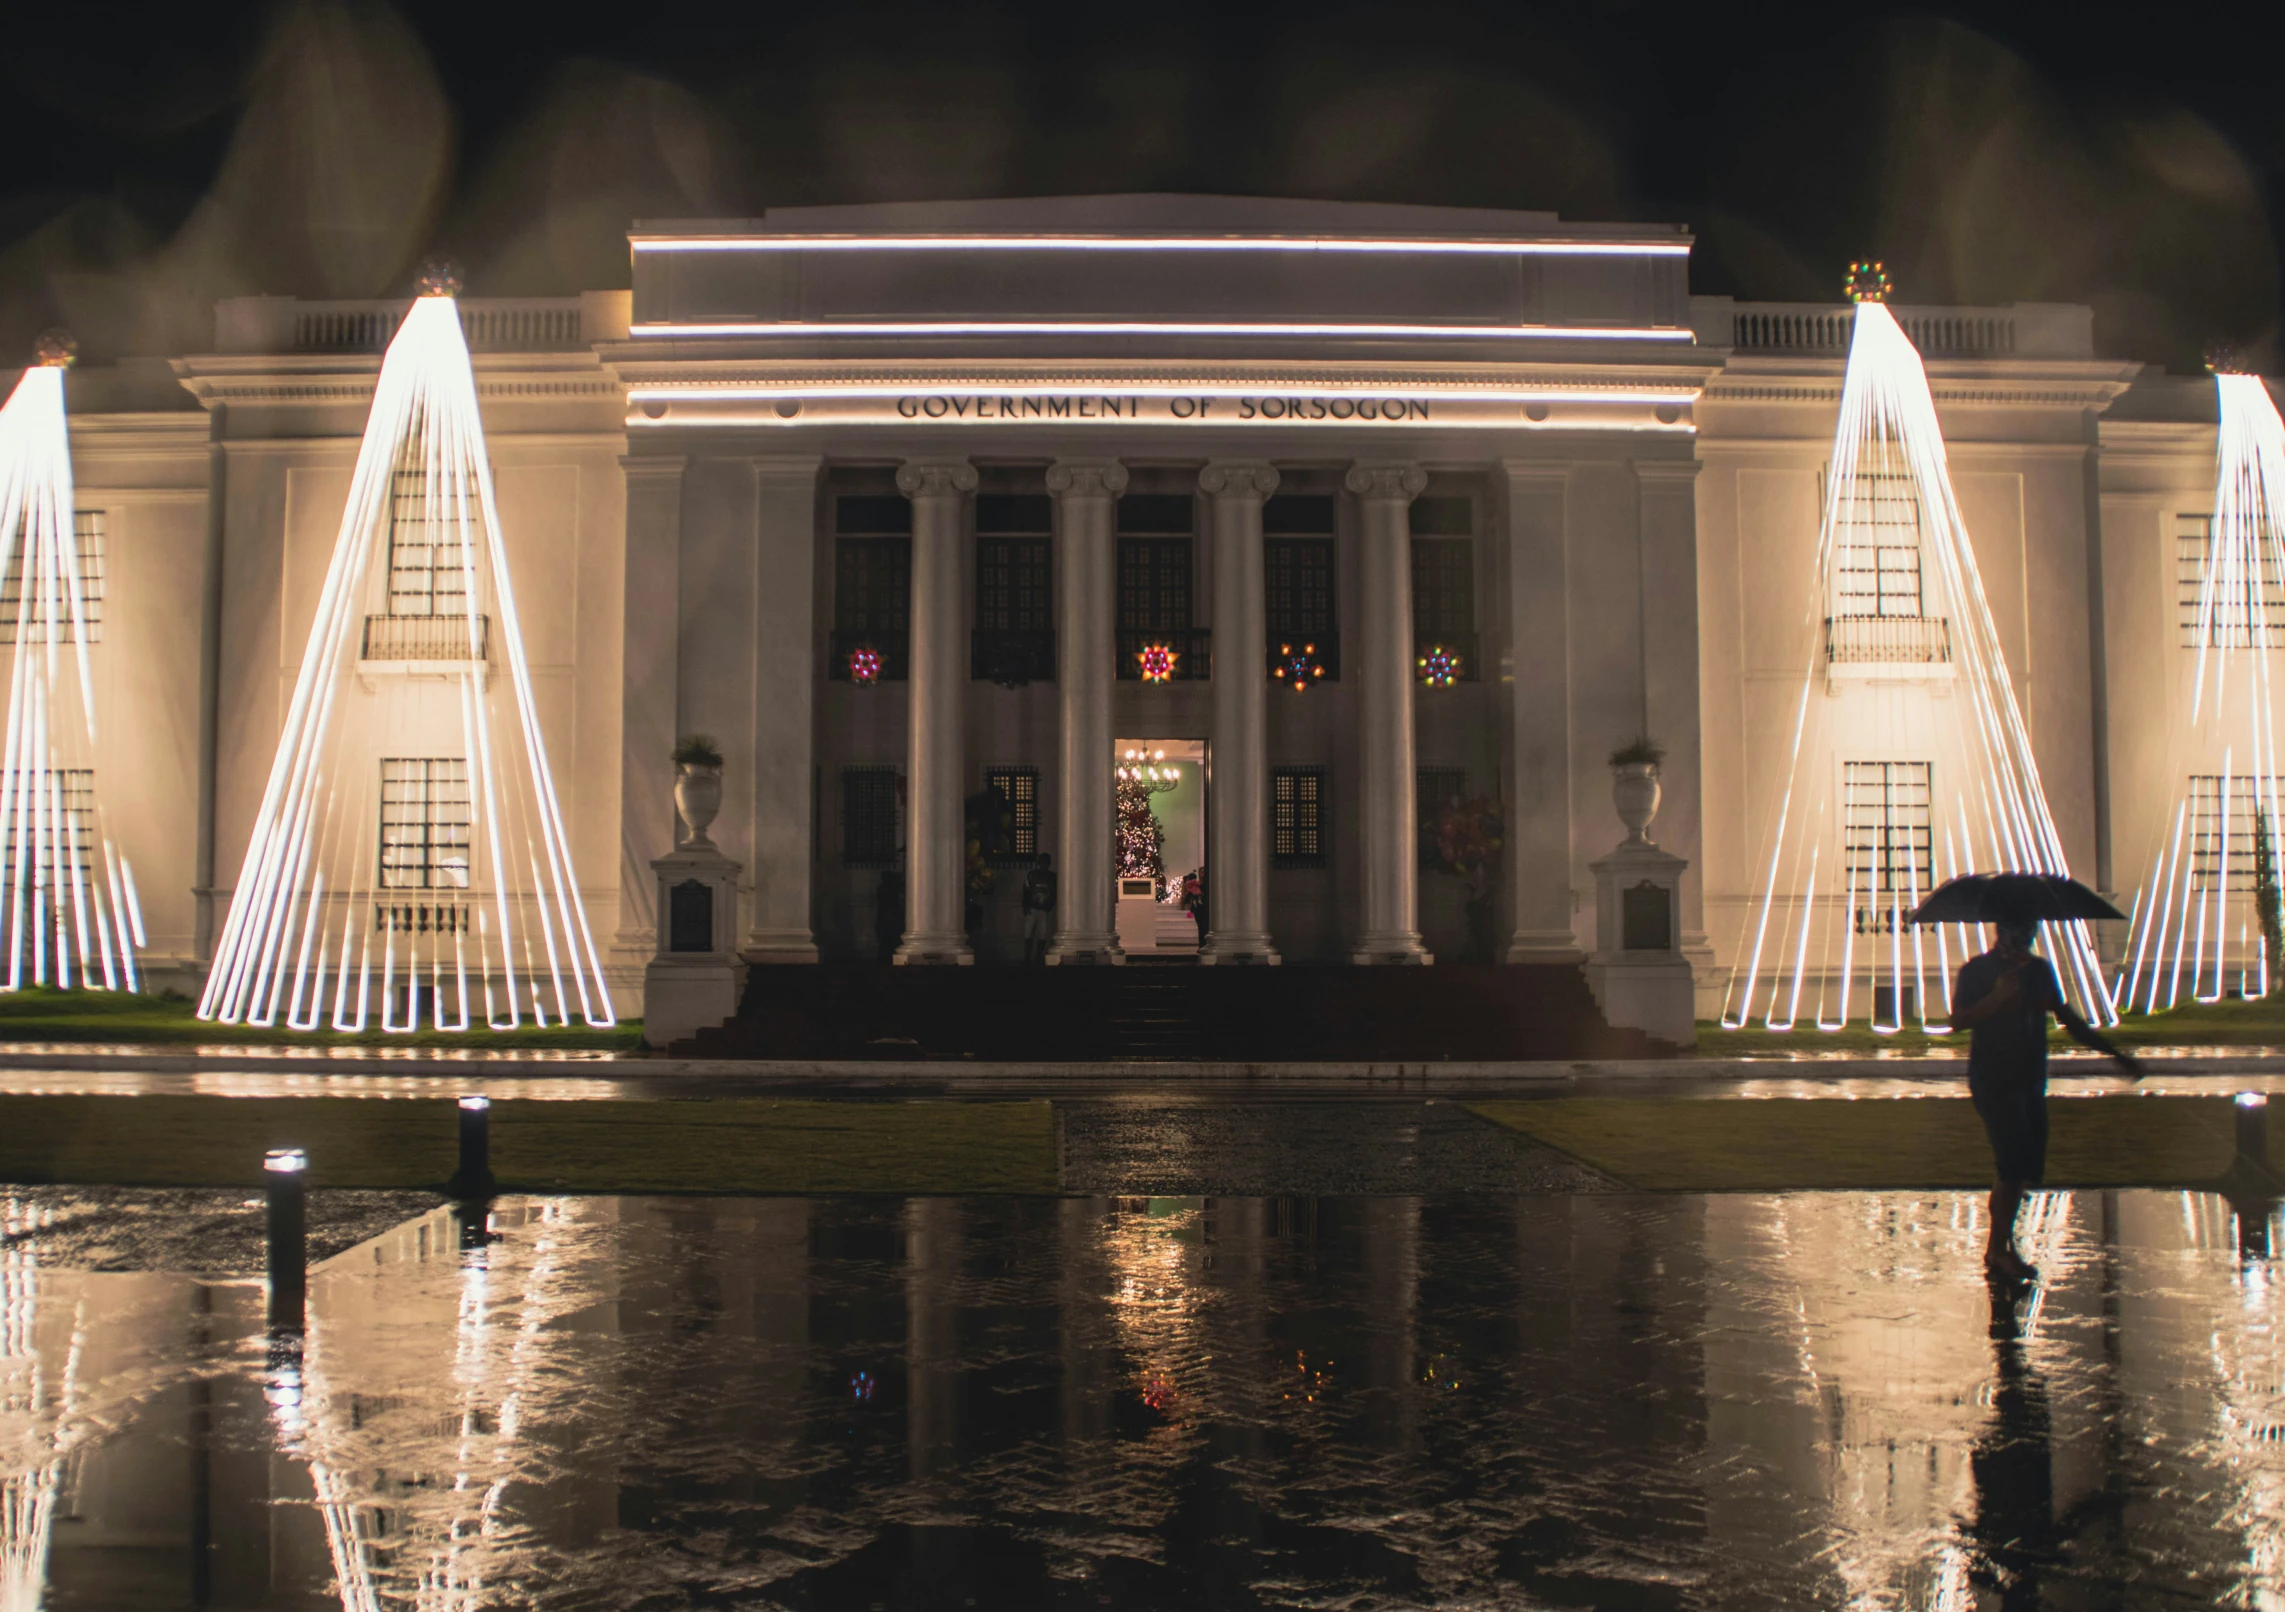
(1015, 454)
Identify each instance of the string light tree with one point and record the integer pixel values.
(68, 910)
(410, 859)
(1138, 838)
(1909, 760)
(2202, 918)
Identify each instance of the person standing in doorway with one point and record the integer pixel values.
(1194, 899)
(1038, 908)
(2005, 996)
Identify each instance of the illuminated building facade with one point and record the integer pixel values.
(904, 504)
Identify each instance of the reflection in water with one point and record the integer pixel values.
(1790, 1400)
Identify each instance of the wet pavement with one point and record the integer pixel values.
(1455, 1400)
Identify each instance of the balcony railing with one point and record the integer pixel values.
(1458, 664)
(491, 324)
(1191, 650)
(891, 649)
(401, 638)
(1012, 656)
(1888, 641)
(1304, 658)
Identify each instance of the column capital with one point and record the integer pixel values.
(1086, 478)
(785, 466)
(1536, 472)
(1386, 479)
(1238, 478)
(1670, 472)
(935, 478)
(653, 467)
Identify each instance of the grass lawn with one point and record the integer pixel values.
(1716, 1145)
(40, 1014)
(693, 1145)
(2217, 1024)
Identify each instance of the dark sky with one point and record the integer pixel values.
(161, 157)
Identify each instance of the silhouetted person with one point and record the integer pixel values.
(1194, 898)
(1038, 908)
(888, 913)
(2004, 996)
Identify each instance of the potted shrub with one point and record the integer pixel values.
(697, 783)
(1634, 784)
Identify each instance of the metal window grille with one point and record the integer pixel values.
(88, 539)
(1299, 583)
(1019, 786)
(1877, 568)
(1435, 789)
(869, 817)
(425, 822)
(872, 515)
(1013, 584)
(1153, 514)
(1443, 588)
(1449, 515)
(2246, 791)
(72, 828)
(1154, 584)
(2235, 603)
(1888, 832)
(1298, 828)
(872, 584)
(428, 551)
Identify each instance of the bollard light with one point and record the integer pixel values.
(2253, 1129)
(474, 1177)
(286, 1235)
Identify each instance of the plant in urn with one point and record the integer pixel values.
(697, 786)
(1634, 785)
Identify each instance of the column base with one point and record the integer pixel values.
(1238, 950)
(779, 946)
(1543, 946)
(1085, 951)
(934, 951)
(1399, 949)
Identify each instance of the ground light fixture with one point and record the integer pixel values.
(285, 1204)
(474, 1177)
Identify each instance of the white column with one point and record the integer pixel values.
(1668, 492)
(783, 601)
(650, 646)
(1086, 560)
(1237, 786)
(1539, 850)
(1383, 669)
(936, 845)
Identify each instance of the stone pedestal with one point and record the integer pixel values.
(1638, 972)
(695, 977)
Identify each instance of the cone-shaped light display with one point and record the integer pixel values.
(2198, 930)
(68, 911)
(409, 864)
(1909, 759)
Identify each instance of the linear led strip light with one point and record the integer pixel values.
(1132, 327)
(734, 391)
(1362, 244)
(68, 910)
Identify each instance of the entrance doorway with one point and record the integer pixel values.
(1158, 841)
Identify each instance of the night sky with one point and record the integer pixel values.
(161, 157)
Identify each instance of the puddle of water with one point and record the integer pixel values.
(1745, 1401)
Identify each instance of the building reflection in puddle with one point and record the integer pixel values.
(1806, 1399)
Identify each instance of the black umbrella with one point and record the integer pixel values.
(2001, 898)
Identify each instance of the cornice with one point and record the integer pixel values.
(640, 368)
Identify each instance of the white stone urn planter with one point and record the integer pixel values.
(698, 797)
(1635, 793)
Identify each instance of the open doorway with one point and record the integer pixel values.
(1158, 853)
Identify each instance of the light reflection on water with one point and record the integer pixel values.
(1741, 1401)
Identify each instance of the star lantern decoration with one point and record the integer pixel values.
(1297, 668)
(1440, 667)
(1157, 662)
(864, 665)
(1868, 282)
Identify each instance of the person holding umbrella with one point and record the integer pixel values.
(2004, 997)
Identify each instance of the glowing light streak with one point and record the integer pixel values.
(1141, 327)
(1332, 244)
(54, 842)
(1983, 791)
(315, 859)
(737, 392)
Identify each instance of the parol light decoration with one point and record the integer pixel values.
(1297, 668)
(410, 849)
(1157, 661)
(1440, 667)
(1867, 282)
(864, 665)
(68, 910)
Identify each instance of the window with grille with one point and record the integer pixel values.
(2208, 839)
(869, 817)
(1443, 590)
(872, 564)
(1435, 789)
(1154, 584)
(1889, 835)
(2256, 593)
(87, 539)
(1019, 787)
(1876, 571)
(65, 813)
(428, 551)
(1297, 820)
(1013, 559)
(1299, 586)
(424, 823)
